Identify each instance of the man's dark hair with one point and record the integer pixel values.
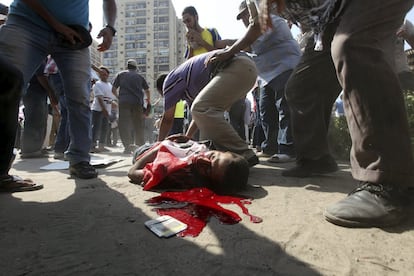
(190, 10)
(235, 178)
(159, 82)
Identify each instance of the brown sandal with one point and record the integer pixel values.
(13, 183)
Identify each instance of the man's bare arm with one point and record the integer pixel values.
(166, 123)
(109, 11)
(136, 173)
(220, 44)
(115, 91)
(191, 129)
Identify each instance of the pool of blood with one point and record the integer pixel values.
(202, 204)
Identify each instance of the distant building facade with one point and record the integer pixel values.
(96, 56)
(149, 32)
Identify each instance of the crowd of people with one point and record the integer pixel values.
(344, 58)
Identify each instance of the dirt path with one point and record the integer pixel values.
(96, 227)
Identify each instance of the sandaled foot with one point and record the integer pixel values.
(12, 184)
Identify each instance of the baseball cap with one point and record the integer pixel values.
(132, 62)
(242, 8)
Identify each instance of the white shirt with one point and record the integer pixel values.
(184, 151)
(103, 90)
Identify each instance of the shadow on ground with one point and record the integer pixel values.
(98, 231)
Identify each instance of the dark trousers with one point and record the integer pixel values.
(358, 49)
(131, 124)
(275, 116)
(177, 127)
(112, 136)
(62, 137)
(258, 134)
(11, 82)
(35, 118)
(236, 115)
(406, 80)
(100, 127)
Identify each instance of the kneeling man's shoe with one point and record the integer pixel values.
(308, 167)
(370, 205)
(250, 157)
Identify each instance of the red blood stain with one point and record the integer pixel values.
(202, 204)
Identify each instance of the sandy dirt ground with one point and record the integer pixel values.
(96, 227)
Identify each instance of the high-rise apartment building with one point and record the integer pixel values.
(96, 56)
(149, 32)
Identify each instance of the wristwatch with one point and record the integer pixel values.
(112, 29)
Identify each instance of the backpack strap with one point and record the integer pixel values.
(215, 35)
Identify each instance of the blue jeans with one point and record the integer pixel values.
(258, 133)
(275, 116)
(25, 45)
(131, 124)
(35, 122)
(62, 137)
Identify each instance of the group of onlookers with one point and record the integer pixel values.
(346, 51)
(342, 49)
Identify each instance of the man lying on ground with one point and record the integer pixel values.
(178, 162)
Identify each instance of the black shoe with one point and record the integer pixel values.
(253, 161)
(103, 149)
(250, 157)
(59, 155)
(308, 167)
(130, 149)
(83, 170)
(112, 145)
(370, 205)
(94, 150)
